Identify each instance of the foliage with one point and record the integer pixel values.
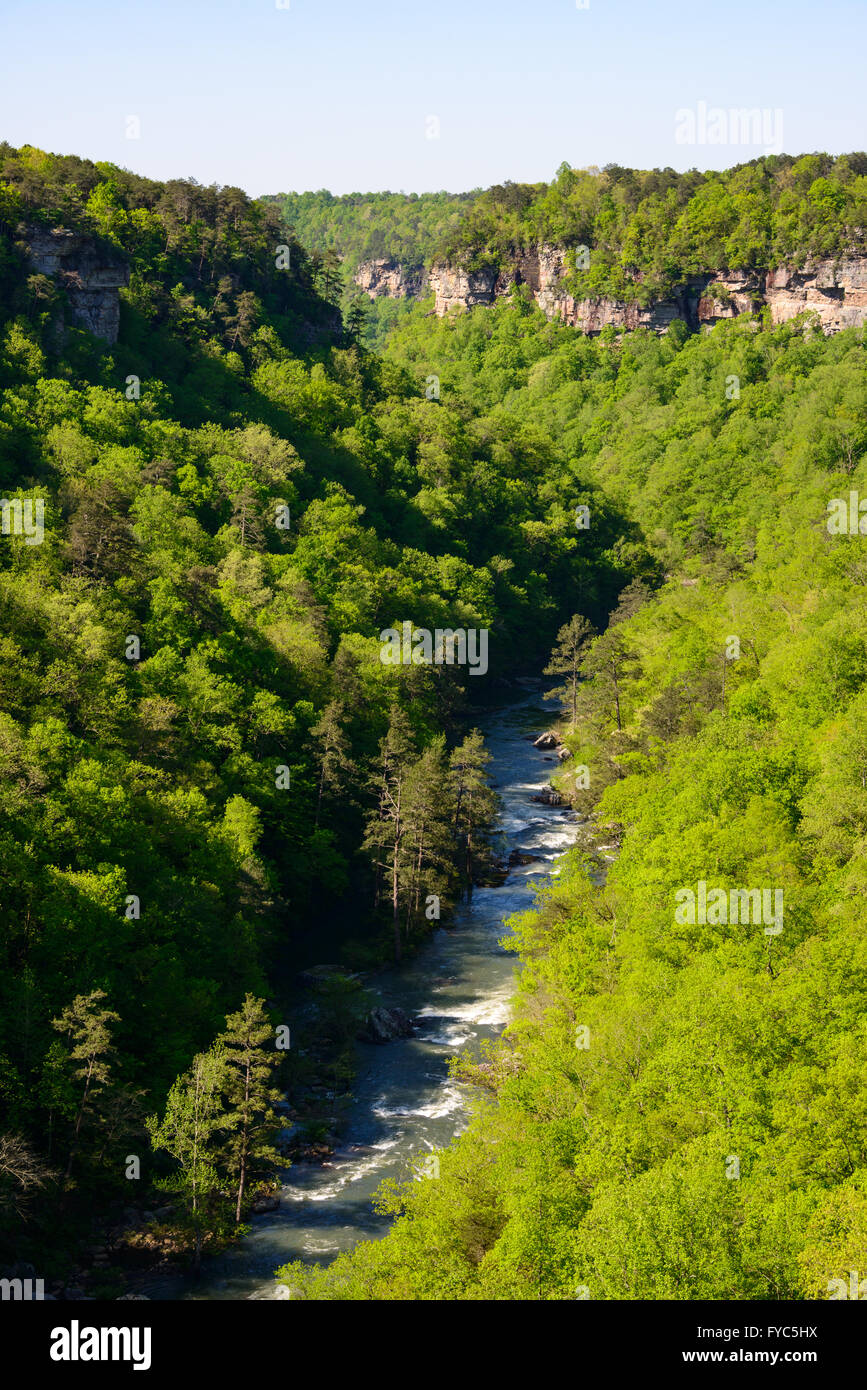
(677, 1111)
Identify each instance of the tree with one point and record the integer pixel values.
(610, 659)
(247, 517)
(250, 1058)
(243, 321)
(356, 318)
(427, 847)
(22, 1174)
(386, 825)
(475, 807)
(101, 541)
(572, 640)
(194, 1120)
(331, 752)
(86, 1025)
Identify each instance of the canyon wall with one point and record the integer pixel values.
(390, 278)
(91, 275)
(834, 289)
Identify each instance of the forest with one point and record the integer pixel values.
(211, 780)
(407, 227)
(645, 231)
(200, 742)
(676, 1111)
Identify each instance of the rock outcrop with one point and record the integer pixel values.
(461, 289)
(728, 294)
(835, 289)
(91, 275)
(390, 278)
(542, 269)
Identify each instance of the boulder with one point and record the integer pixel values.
(386, 1025)
(548, 740)
(549, 797)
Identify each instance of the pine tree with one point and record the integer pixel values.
(608, 662)
(565, 661)
(611, 658)
(386, 825)
(475, 806)
(86, 1025)
(195, 1118)
(330, 752)
(247, 313)
(355, 318)
(250, 1056)
(428, 846)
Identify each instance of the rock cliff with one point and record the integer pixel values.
(91, 275)
(391, 278)
(835, 289)
(461, 289)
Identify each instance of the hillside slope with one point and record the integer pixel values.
(212, 507)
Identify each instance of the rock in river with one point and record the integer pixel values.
(548, 740)
(385, 1025)
(549, 797)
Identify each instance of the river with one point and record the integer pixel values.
(457, 987)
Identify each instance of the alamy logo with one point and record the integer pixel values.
(738, 126)
(22, 1290)
(853, 1289)
(17, 519)
(744, 906)
(847, 517)
(418, 646)
(76, 1343)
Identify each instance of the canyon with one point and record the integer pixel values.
(92, 276)
(834, 289)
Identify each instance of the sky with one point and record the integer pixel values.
(363, 95)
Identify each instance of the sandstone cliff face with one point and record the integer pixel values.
(542, 270)
(728, 294)
(836, 290)
(91, 276)
(591, 315)
(391, 278)
(461, 289)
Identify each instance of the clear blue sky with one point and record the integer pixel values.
(337, 93)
